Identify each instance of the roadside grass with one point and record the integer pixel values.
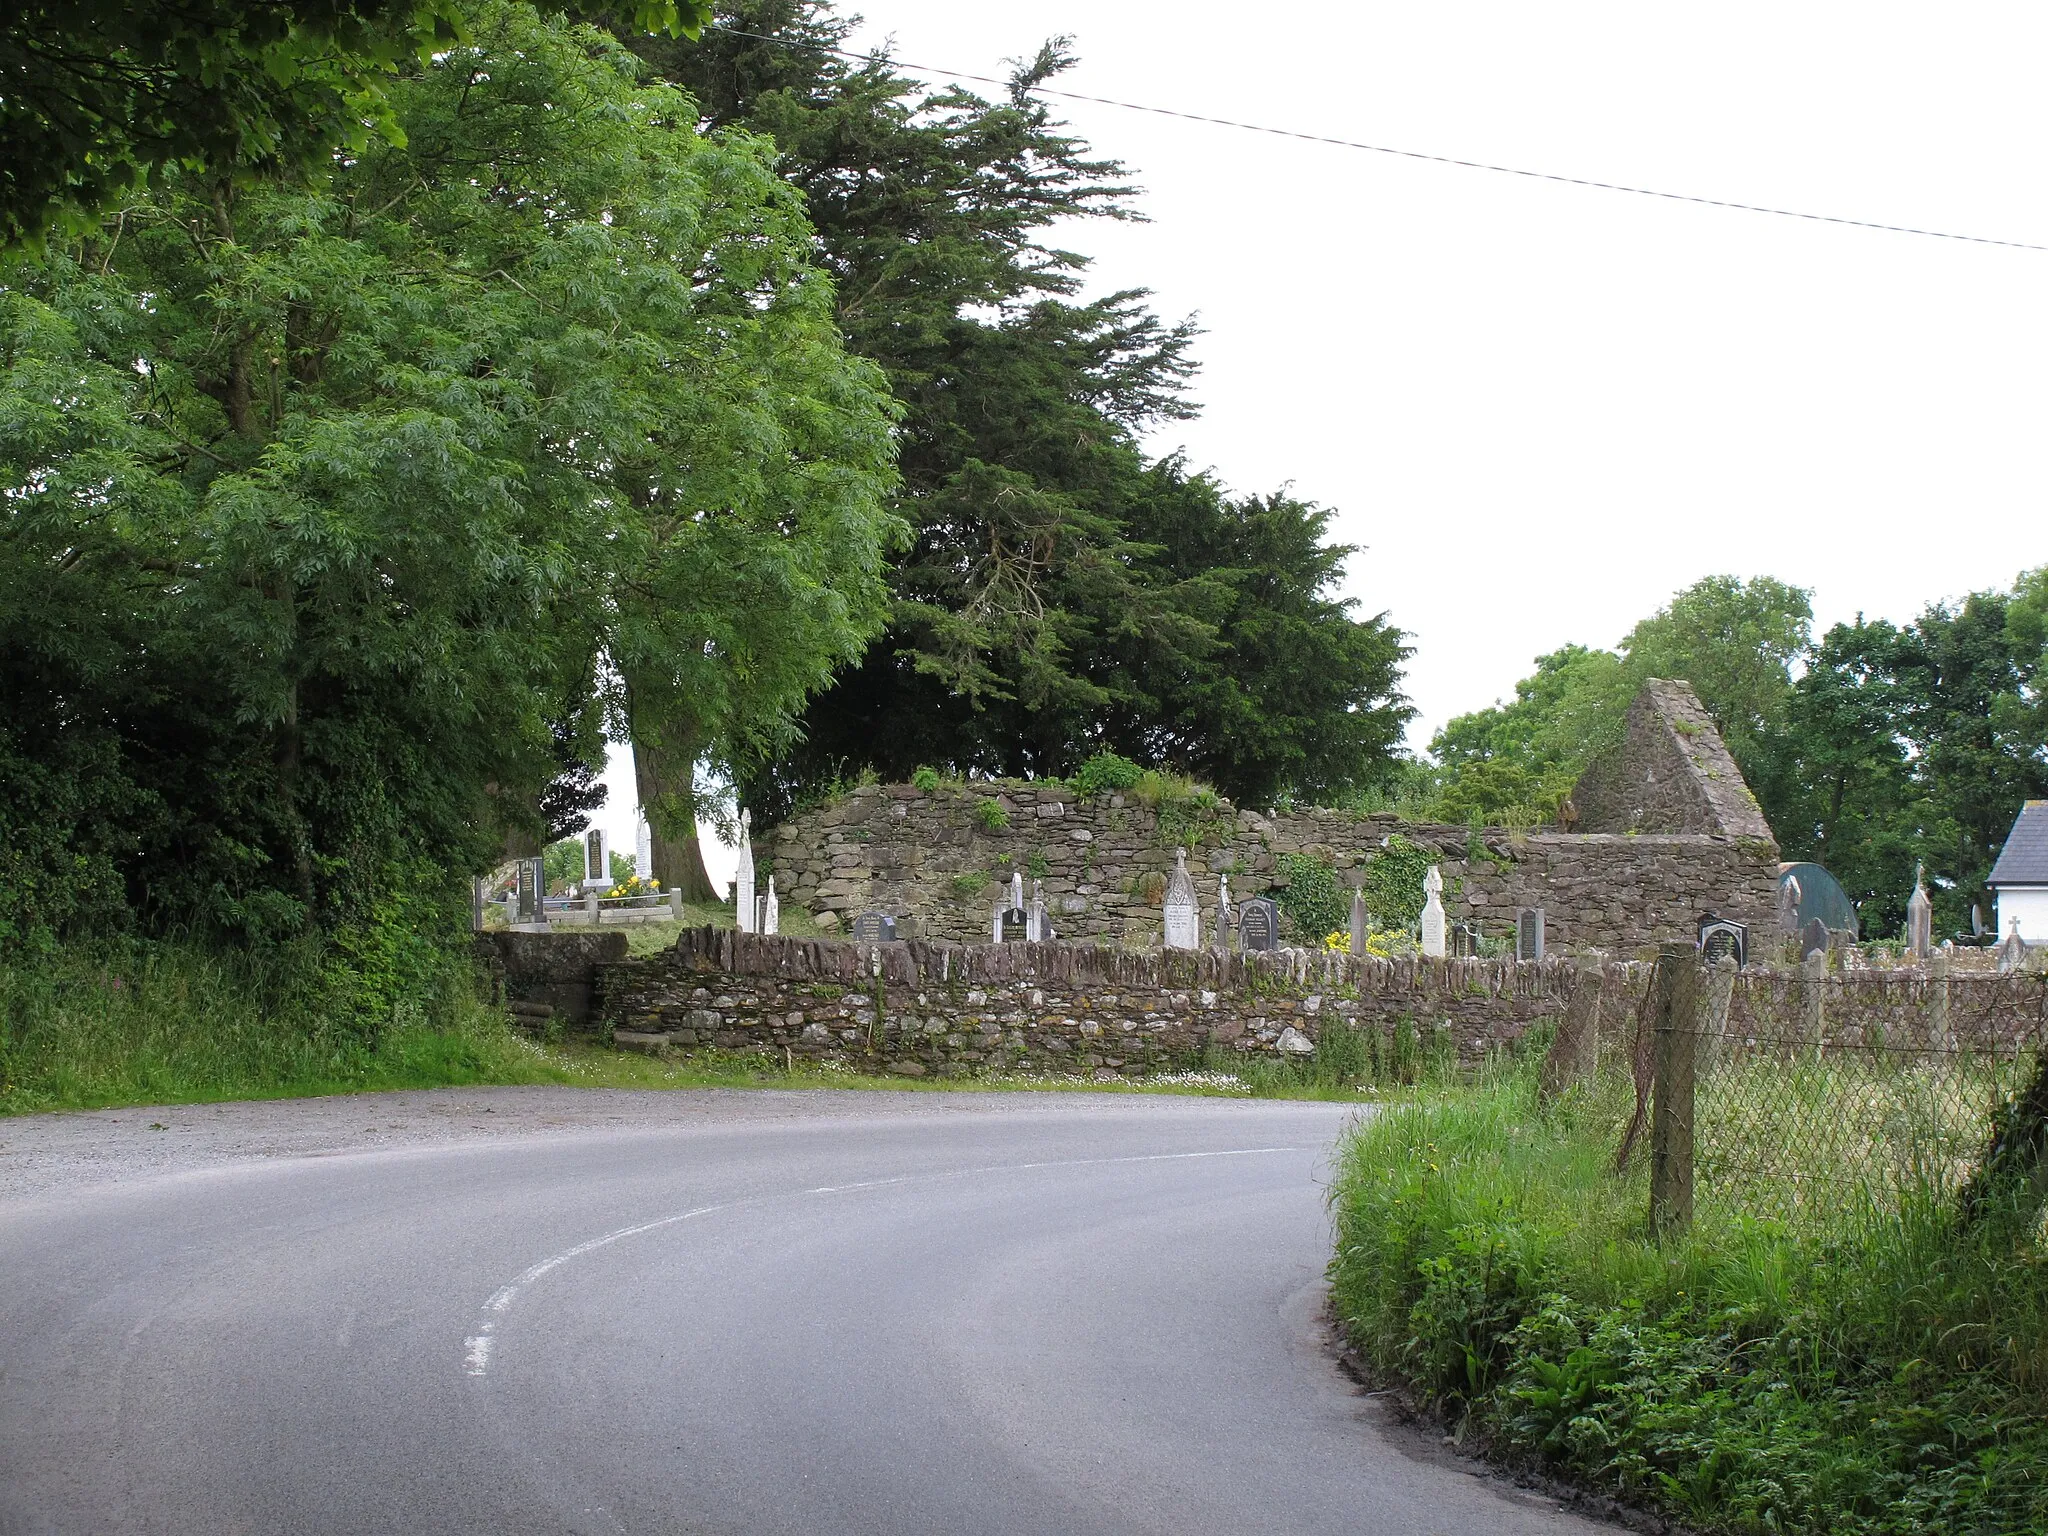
(1853, 1364)
(166, 1023)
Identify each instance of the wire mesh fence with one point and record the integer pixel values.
(1802, 1092)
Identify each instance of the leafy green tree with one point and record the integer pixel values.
(97, 95)
(319, 500)
(1734, 641)
(1042, 610)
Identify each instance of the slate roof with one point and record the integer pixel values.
(2024, 860)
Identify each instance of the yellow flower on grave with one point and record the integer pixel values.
(1339, 940)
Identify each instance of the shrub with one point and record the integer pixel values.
(1393, 881)
(925, 779)
(1311, 897)
(991, 815)
(1103, 772)
(1843, 1370)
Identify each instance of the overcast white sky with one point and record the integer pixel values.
(1542, 409)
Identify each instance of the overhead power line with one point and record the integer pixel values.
(1406, 154)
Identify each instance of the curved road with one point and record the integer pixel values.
(826, 1312)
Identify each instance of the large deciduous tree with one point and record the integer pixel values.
(321, 499)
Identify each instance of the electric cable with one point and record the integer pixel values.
(1405, 154)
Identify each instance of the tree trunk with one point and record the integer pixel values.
(665, 771)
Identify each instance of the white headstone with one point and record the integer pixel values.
(643, 849)
(1920, 916)
(771, 910)
(1433, 913)
(1223, 912)
(1036, 928)
(743, 877)
(1183, 917)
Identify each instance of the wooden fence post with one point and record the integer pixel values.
(1671, 1104)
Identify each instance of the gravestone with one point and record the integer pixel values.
(743, 876)
(1258, 924)
(1011, 920)
(771, 910)
(1183, 919)
(874, 928)
(1225, 916)
(1433, 913)
(2012, 951)
(1813, 939)
(1361, 921)
(597, 874)
(1920, 916)
(533, 890)
(1037, 921)
(1718, 937)
(1529, 933)
(1789, 892)
(643, 850)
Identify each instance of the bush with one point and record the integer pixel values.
(991, 815)
(1311, 897)
(925, 778)
(1853, 1372)
(1103, 772)
(1393, 882)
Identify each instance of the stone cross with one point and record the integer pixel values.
(1361, 921)
(2012, 950)
(743, 915)
(1920, 916)
(771, 910)
(1433, 913)
(1183, 917)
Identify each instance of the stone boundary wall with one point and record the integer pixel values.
(557, 970)
(920, 1007)
(932, 857)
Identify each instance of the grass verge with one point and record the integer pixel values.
(164, 1023)
(1857, 1369)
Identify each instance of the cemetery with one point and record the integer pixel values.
(1664, 830)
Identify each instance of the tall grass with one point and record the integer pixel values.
(1867, 1364)
(174, 1023)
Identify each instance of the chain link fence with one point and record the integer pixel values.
(1785, 1093)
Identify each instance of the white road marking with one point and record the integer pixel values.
(476, 1359)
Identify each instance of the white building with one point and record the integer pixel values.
(2019, 880)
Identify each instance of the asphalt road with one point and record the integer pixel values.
(831, 1312)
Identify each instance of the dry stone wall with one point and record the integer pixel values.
(1670, 831)
(920, 1007)
(934, 860)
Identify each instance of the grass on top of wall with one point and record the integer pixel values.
(1857, 1369)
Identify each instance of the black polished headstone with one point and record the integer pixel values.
(874, 928)
(1258, 924)
(1529, 933)
(1719, 938)
(1016, 925)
